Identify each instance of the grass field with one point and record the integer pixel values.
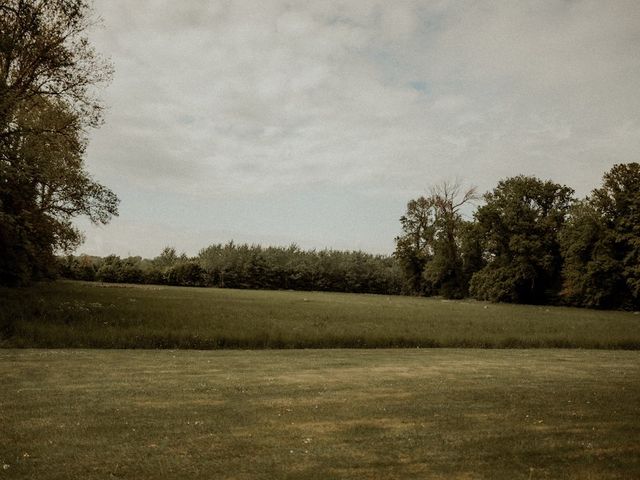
(320, 414)
(76, 314)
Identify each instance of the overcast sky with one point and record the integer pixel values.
(279, 122)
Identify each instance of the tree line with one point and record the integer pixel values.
(531, 241)
(247, 266)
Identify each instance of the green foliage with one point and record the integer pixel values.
(471, 250)
(601, 244)
(167, 258)
(189, 274)
(248, 266)
(519, 227)
(245, 266)
(429, 248)
(47, 70)
(115, 270)
(531, 242)
(79, 268)
(415, 247)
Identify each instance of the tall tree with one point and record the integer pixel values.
(601, 243)
(414, 248)
(519, 226)
(471, 252)
(429, 248)
(47, 71)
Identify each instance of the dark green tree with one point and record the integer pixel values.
(415, 247)
(445, 271)
(186, 273)
(519, 227)
(47, 70)
(601, 244)
(167, 258)
(429, 248)
(471, 251)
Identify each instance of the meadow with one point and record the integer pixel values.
(319, 414)
(93, 315)
(278, 398)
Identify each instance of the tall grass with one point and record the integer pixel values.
(77, 314)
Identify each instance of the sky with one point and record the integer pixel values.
(278, 122)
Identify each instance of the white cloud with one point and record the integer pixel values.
(243, 99)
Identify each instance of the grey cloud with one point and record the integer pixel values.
(228, 99)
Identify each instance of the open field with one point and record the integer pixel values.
(76, 314)
(320, 414)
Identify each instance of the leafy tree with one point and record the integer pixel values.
(519, 226)
(167, 258)
(445, 271)
(601, 243)
(78, 268)
(186, 273)
(244, 266)
(47, 70)
(109, 269)
(247, 266)
(414, 248)
(619, 201)
(471, 251)
(429, 248)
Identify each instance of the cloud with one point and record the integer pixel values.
(235, 99)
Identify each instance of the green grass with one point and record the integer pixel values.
(81, 315)
(320, 414)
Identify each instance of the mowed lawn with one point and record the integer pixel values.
(77, 314)
(320, 414)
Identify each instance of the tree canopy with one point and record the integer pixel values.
(48, 70)
(519, 226)
(430, 247)
(530, 241)
(601, 243)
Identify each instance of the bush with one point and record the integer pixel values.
(494, 285)
(188, 274)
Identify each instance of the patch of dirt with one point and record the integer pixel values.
(318, 428)
(172, 403)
